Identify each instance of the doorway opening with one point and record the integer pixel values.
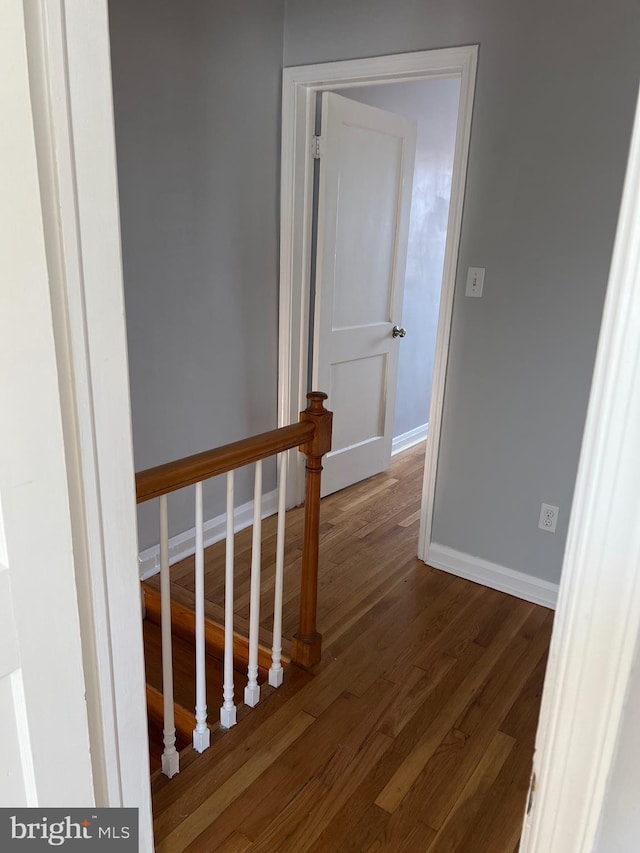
(383, 184)
(360, 78)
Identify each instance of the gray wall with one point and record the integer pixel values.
(433, 104)
(197, 113)
(619, 830)
(555, 97)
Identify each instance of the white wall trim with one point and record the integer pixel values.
(45, 752)
(70, 75)
(493, 575)
(184, 544)
(409, 439)
(598, 617)
(298, 115)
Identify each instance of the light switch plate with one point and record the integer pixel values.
(475, 281)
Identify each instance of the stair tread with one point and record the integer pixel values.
(215, 613)
(184, 669)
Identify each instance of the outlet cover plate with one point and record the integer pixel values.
(548, 517)
(475, 281)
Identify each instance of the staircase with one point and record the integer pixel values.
(197, 650)
(183, 644)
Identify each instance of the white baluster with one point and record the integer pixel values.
(276, 672)
(252, 690)
(201, 733)
(170, 756)
(228, 709)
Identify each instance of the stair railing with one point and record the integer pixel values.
(312, 436)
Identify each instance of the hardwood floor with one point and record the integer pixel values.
(415, 732)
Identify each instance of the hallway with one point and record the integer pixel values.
(416, 730)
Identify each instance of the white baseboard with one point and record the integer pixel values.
(408, 439)
(489, 574)
(184, 544)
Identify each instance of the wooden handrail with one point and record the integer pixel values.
(201, 466)
(312, 436)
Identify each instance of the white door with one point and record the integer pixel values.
(366, 173)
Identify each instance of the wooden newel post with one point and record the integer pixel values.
(306, 645)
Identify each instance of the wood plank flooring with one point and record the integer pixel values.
(416, 730)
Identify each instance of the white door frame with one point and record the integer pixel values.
(44, 730)
(71, 100)
(597, 622)
(300, 85)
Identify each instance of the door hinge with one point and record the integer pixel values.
(316, 147)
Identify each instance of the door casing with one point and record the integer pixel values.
(300, 85)
(68, 53)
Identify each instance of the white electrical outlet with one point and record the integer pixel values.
(548, 517)
(475, 281)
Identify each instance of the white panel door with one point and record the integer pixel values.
(366, 174)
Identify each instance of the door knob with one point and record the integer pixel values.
(398, 332)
